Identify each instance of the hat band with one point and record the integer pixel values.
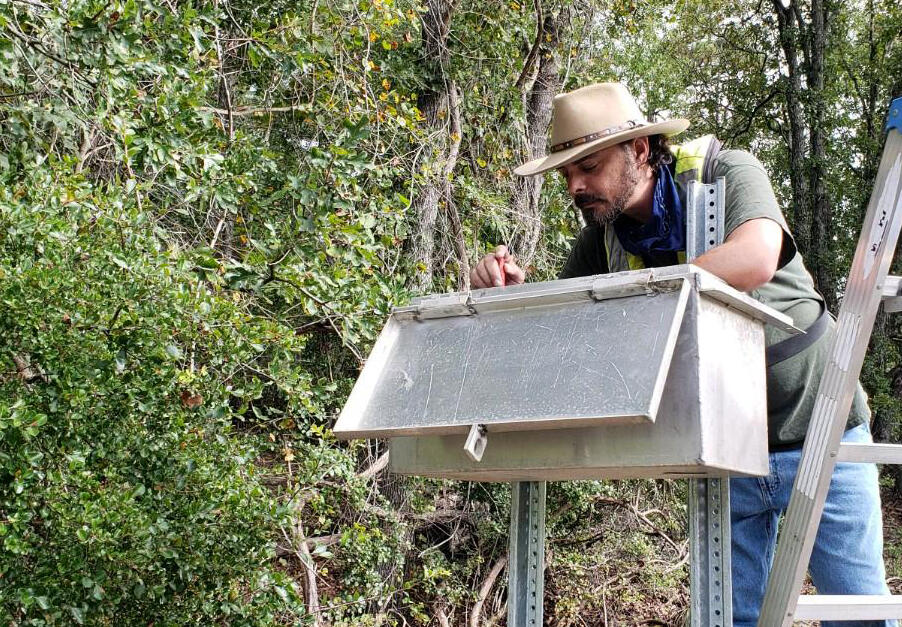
(585, 139)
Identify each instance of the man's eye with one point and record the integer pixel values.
(587, 167)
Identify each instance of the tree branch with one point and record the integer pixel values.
(245, 111)
(375, 468)
(534, 51)
(484, 590)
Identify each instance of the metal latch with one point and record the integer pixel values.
(476, 442)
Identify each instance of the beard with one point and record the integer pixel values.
(600, 210)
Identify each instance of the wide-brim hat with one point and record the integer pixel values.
(592, 118)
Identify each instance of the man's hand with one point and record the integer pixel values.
(487, 272)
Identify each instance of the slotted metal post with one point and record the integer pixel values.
(710, 582)
(526, 584)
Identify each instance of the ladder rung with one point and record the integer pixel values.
(848, 607)
(870, 453)
(892, 305)
(892, 297)
(891, 286)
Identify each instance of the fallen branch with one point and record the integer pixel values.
(324, 541)
(484, 590)
(427, 518)
(312, 591)
(370, 471)
(642, 517)
(376, 467)
(441, 617)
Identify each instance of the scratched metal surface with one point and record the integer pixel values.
(575, 364)
(711, 422)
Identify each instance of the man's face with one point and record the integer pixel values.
(602, 183)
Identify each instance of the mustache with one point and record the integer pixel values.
(582, 201)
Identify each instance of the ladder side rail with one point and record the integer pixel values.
(864, 291)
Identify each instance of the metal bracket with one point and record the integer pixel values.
(476, 442)
(704, 216)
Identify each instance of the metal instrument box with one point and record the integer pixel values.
(649, 373)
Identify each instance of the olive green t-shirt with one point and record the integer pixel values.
(791, 384)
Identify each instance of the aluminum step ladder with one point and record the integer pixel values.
(867, 286)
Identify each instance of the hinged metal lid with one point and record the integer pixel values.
(567, 353)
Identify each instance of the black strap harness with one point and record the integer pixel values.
(781, 351)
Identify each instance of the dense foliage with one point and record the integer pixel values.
(206, 212)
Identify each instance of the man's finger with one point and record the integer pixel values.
(485, 279)
(493, 266)
(515, 274)
(474, 277)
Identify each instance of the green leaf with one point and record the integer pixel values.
(78, 615)
(121, 263)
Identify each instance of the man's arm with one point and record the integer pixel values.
(748, 258)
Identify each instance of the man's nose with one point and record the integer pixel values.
(576, 184)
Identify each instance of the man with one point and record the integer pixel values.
(630, 186)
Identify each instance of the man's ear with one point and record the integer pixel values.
(641, 150)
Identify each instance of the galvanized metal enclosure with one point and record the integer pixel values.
(652, 373)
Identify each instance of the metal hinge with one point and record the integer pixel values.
(443, 306)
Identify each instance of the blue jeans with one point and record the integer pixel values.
(848, 552)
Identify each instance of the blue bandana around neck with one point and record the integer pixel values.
(666, 231)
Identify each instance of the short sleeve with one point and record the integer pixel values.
(750, 195)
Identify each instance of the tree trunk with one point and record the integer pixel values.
(537, 104)
(873, 124)
(457, 229)
(821, 216)
(229, 55)
(789, 41)
(439, 107)
(812, 208)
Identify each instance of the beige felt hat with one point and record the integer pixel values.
(591, 118)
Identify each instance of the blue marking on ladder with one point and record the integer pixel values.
(894, 119)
